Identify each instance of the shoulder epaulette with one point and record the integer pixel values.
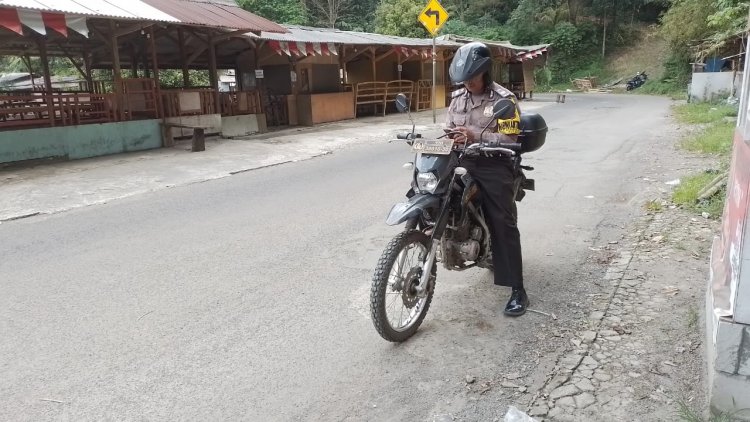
(458, 93)
(501, 91)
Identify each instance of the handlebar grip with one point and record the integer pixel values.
(403, 136)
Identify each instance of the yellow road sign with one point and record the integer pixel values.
(433, 17)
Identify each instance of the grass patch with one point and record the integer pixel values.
(666, 88)
(687, 414)
(715, 139)
(654, 206)
(692, 318)
(686, 195)
(696, 113)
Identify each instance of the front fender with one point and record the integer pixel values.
(413, 208)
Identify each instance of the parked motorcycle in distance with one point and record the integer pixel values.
(444, 220)
(638, 80)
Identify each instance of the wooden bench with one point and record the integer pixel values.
(396, 87)
(370, 93)
(199, 135)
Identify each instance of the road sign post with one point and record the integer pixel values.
(433, 17)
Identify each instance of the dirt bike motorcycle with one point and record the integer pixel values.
(444, 221)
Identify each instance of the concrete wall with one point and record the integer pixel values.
(211, 121)
(83, 141)
(707, 86)
(232, 126)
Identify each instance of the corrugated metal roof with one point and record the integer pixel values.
(132, 9)
(224, 14)
(327, 35)
(518, 49)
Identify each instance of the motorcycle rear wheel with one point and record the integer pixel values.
(396, 310)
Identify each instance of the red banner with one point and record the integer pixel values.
(55, 21)
(9, 19)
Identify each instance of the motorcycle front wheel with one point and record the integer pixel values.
(397, 310)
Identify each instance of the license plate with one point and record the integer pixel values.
(433, 146)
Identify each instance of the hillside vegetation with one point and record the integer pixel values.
(610, 39)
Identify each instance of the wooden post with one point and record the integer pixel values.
(27, 61)
(155, 64)
(374, 66)
(183, 58)
(116, 71)
(47, 79)
(213, 71)
(133, 61)
(199, 140)
(342, 64)
(87, 68)
(398, 63)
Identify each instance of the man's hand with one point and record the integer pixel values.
(465, 136)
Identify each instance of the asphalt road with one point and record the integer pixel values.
(246, 298)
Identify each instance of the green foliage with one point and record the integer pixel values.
(488, 32)
(702, 113)
(686, 194)
(172, 78)
(686, 21)
(574, 52)
(399, 17)
(716, 139)
(282, 11)
(360, 16)
(664, 87)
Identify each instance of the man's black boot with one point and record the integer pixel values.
(518, 303)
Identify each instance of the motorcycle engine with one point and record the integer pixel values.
(469, 251)
(456, 253)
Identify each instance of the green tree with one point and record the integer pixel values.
(360, 16)
(399, 17)
(281, 11)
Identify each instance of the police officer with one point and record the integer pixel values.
(469, 112)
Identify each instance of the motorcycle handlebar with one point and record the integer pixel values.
(407, 136)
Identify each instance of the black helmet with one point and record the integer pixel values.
(471, 60)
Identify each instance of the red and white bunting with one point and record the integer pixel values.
(332, 49)
(33, 20)
(56, 22)
(275, 46)
(310, 49)
(9, 19)
(324, 49)
(284, 46)
(318, 50)
(293, 48)
(37, 21)
(301, 49)
(78, 24)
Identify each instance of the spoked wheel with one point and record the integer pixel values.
(396, 308)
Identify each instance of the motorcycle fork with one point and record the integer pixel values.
(437, 234)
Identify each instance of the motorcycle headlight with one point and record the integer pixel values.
(427, 182)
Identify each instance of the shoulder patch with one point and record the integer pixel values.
(458, 93)
(501, 91)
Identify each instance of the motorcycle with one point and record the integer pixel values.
(638, 80)
(444, 220)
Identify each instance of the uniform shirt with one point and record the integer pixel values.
(475, 112)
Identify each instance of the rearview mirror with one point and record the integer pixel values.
(402, 103)
(504, 109)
